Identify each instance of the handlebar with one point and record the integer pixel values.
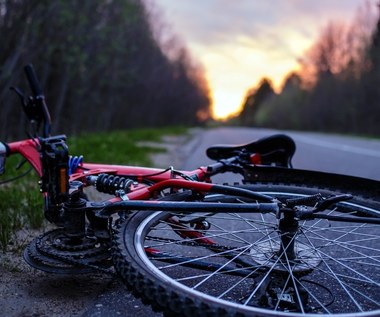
(222, 165)
(33, 81)
(38, 100)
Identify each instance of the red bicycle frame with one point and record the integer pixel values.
(161, 179)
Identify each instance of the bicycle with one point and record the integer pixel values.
(285, 242)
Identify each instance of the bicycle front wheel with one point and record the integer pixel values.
(248, 264)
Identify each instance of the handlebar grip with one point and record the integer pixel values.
(215, 168)
(221, 165)
(33, 81)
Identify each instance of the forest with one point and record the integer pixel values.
(101, 65)
(104, 67)
(336, 88)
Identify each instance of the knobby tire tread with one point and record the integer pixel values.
(160, 298)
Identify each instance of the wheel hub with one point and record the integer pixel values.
(266, 254)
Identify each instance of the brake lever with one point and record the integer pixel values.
(327, 202)
(29, 107)
(20, 94)
(306, 212)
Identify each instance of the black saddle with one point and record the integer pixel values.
(276, 150)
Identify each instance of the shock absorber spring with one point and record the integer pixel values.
(110, 184)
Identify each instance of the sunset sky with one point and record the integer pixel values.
(240, 41)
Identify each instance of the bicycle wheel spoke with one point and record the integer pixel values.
(290, 268)
(223, 235)
(336, 229)
(352, 260)
(202, 265)
(245, 272)
(340, 262)
(346, 245)
(282, 293)
(351, 287)
(194, 259)
(338, 280)
(224, 265)
(239, 282)
(258, 261)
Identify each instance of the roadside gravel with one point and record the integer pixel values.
(27, 292)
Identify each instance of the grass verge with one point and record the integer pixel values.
(21, 203)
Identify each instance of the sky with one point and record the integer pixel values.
(238, 42)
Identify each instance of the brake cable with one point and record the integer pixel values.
(16, 177)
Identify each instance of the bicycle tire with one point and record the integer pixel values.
(331, 275)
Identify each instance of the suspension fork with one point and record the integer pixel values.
(49, 158)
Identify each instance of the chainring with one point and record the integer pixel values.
(54, 252)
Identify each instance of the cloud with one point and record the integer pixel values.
(210, 22)
(240, 41)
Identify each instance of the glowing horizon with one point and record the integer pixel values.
(238, 45)
(228, 80)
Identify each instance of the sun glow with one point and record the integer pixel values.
(233, 68)
(224, 104)
(231, 75)
(259, 39)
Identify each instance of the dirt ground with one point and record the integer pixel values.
(27, 292)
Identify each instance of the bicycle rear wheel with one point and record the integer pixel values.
(204, 264)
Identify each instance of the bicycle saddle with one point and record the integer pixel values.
(275, 150)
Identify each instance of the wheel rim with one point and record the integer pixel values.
(347, 259)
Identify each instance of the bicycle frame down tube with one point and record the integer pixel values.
(178, 206)
(136, 199)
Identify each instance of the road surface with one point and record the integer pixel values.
(315, 151)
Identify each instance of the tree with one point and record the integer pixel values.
(100, 65)
(340, 75)
(370, 110)
(254, 99)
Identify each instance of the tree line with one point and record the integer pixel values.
(336, 88)
(100, 64)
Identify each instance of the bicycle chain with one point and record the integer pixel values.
(71, 259)
(49, 252)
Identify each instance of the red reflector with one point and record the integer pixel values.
(255, 158)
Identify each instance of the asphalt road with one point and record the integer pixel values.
(315, 151)
(338, 154)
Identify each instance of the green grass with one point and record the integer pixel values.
(120, 147)
(20, 201)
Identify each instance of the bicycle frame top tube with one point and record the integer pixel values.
(152, 174)
(29, 150)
